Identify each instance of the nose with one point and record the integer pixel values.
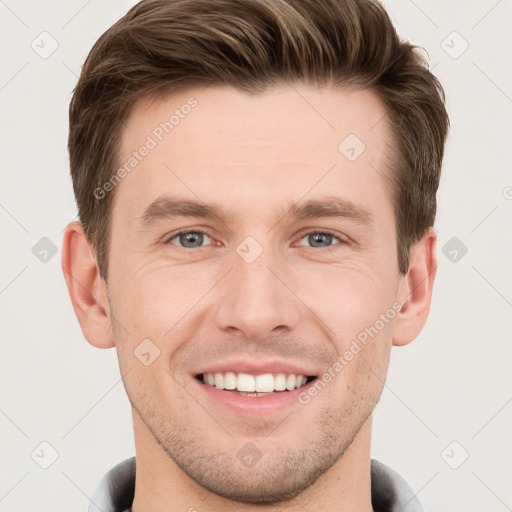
(256, 299)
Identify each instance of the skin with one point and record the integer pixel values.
(296, 301)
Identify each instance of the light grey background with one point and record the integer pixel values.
(447, 394)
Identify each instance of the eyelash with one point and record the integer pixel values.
(322, 232)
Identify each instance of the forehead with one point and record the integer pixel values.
(284, 142)
(285, 113)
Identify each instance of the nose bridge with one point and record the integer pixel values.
(255, 299)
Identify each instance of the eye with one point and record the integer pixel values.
(317, 238)
(194, 239)
(189, 239)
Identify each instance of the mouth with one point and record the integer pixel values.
(254, 386)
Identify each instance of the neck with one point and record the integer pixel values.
(161, 486)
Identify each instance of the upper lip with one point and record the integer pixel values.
(255, 367)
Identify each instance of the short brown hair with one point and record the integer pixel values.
(161, 46)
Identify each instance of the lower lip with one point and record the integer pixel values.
(254, 405)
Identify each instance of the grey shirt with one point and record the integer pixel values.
(390, 492)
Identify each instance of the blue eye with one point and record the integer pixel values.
(319, 237)
(194, 238)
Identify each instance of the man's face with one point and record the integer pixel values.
(256, 291)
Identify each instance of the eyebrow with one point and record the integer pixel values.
(330, 206)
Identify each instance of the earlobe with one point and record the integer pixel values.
(415, 291)
(87, 289)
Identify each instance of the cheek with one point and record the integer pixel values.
(348, 297)
(364, 367)
(157, 312)
(151, 297)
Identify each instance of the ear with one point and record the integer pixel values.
(87, 290)
(415, 290)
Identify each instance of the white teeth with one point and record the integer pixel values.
(219, 380)
(259, 384)
(265, 383)
(229, 380)
(245, 382)
(280, 382)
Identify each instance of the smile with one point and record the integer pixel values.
(255, 385)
